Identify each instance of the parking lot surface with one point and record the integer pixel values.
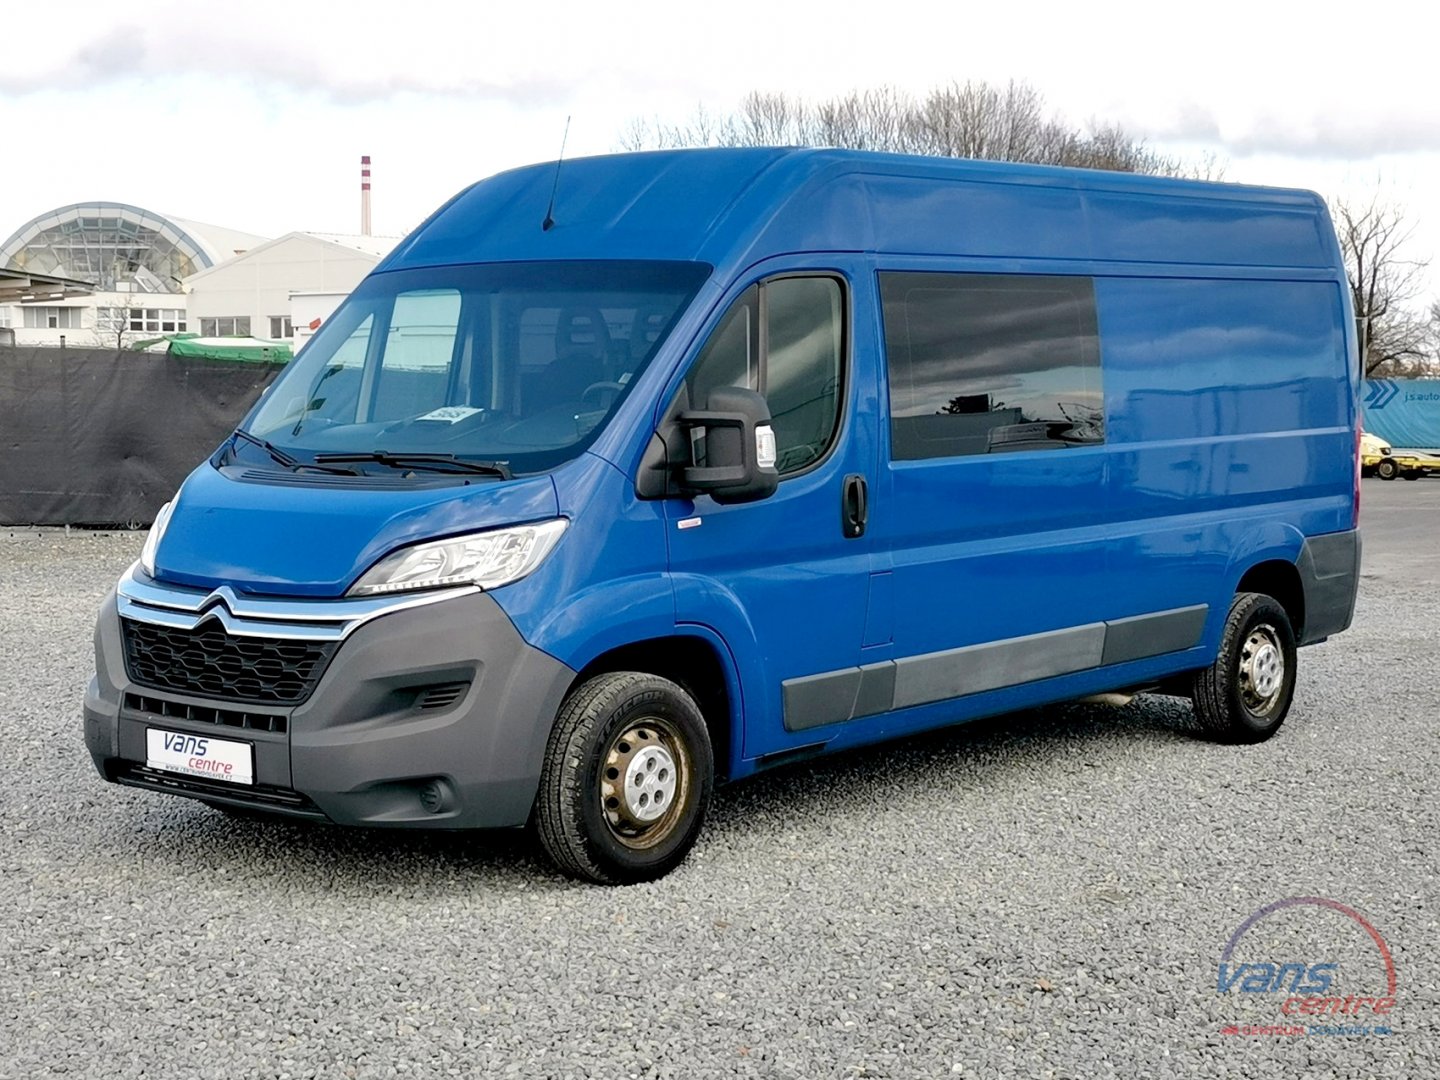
(1047, 894)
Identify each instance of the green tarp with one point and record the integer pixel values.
(243, 349)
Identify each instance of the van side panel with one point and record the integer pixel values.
(1229, 429)
(1207, 231)
(1046, 218)
(605, 584)
(1204, 358)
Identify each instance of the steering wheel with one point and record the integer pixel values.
(613, 387)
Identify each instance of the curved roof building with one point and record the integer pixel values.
(111, 243)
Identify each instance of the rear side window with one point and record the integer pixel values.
(991, 363)
(785, 339)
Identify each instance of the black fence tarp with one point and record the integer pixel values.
(100, 437)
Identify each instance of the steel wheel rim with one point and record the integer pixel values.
(1262, 669)
(645, 778)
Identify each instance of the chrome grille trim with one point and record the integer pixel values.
(148, 601)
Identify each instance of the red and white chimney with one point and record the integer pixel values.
(365, 195)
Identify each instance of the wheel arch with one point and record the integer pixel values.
(700, 665)
(1279, 579)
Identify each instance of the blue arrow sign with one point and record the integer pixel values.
(1380, 392)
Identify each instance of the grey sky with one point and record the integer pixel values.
(254, 114)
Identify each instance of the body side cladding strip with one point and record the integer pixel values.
(789, 757)
(1153, 635)
(973, 669)
(877, 690)
(838, 696)
(817, 700)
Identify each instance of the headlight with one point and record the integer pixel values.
(486, 559)
(153, 537)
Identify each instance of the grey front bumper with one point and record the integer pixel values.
(362, 749)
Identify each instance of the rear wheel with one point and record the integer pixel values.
(1413, 474)
(626, 780)
(1387, 469)
(1245, 695)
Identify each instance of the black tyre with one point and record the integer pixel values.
(1244, 696)
(626, 781)
(1413, 474)
(1387, 469)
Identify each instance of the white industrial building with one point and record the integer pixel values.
(135, 261)
(109, 274)
(256, 293)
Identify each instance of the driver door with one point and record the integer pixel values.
(779, 579)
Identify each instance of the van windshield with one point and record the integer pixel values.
(515, 365)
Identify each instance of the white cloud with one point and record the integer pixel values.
(253, 114)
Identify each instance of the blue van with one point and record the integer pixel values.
(726, 458)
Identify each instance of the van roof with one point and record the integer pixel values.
(731, 207)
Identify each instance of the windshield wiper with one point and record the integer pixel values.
(282, 458)
(430, 462)
(270, 448)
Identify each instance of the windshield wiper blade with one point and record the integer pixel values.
(270, 448)
(282, 458)
(432, 462)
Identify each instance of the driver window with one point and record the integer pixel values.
(796, 362)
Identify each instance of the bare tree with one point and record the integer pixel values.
(112, 327)
(970, 119)
(1394, 338)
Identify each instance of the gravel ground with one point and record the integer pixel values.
(1043, 896)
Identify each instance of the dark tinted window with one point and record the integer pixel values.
(796, 362)
(989, 363)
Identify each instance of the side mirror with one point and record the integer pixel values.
(739, 447)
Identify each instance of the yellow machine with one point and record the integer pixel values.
(1377, 458)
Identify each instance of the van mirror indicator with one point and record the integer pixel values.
(765, 446)
(732, 446)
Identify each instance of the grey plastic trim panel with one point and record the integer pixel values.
(837, 696)
(877, 690)
(974, 669)
(1153, 635)
(817, 700)
(851, 693)
(1329, 567)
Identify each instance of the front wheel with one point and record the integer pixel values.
(1244, 696)
(1387, 469)
(626, 780)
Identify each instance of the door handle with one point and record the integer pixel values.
(854, 506)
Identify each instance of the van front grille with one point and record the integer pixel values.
(210, 662)
(245, 719)
(259, 796)
(442, 695)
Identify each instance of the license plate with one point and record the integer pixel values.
(200, 755)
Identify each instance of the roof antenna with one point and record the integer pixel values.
(549, 222)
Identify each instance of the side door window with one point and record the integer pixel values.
(784, 338)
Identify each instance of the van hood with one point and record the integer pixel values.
(297, 538)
